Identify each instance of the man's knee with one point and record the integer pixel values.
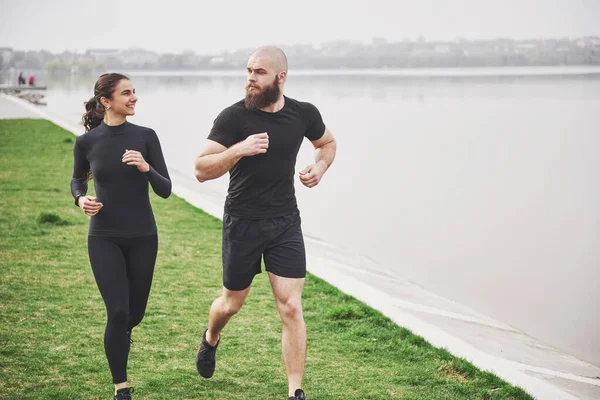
(231, 305)
(231, 309)
(231, 301)
(290, 309)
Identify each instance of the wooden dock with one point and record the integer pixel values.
(7, 89)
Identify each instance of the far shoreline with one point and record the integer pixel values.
(445, 72)
(442, 73)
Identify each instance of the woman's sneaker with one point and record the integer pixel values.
(298, 395)
(205, 359)
(124, 394)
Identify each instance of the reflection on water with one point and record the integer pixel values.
(482, 189)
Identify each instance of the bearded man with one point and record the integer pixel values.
(257, 140)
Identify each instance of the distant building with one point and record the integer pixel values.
(379, 42)
(217, 61)
(190, 60)
(102, 55)
(588, 41)
(525, 47)
(442, 48)
(139, 58)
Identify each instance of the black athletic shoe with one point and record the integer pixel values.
(124, 394)
(205, 360)
(298, 395)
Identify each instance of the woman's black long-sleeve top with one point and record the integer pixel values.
(121, 188)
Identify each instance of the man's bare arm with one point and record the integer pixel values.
(215, 160)
(325, 149)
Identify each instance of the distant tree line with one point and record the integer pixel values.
(332, 55)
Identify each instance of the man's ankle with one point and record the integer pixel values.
(210, 339)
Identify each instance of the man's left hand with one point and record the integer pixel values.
(311, 175)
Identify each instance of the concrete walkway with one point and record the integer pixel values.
(545, 372)
(13, 109)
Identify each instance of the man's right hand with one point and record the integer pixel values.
(255, 144)
(89, 205)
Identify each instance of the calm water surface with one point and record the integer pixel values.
(483, 189)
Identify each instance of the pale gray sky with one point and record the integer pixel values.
(208, 27)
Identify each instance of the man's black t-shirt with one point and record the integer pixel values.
(262, 186)
(121, 188)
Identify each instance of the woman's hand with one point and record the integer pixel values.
(89, 205)
(133, 157)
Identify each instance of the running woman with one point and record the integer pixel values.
(123, 159)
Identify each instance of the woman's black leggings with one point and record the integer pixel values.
(123, 268)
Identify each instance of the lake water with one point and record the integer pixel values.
(480, 185)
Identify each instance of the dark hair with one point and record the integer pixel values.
(94, 110)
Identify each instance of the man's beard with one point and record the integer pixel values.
(264, 98)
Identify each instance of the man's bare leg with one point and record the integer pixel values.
(222, 309)
(288, 295)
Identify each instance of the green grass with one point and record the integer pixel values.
(52, 316)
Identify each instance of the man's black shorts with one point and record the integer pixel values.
(279, 240)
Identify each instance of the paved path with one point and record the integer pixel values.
(11, 109)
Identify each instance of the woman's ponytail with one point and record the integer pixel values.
(94, 114)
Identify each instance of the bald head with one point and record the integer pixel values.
(274, 55)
